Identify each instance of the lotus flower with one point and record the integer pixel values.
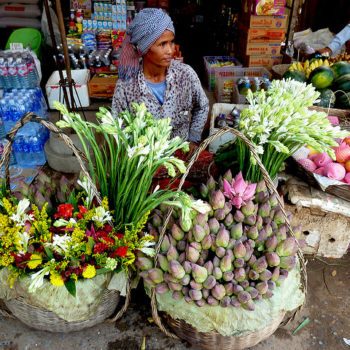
(322, 159)
(342, 152)
(214, 225)
(308, 164)
(176, 269)
(218, 292)
(238, 191)
(335, 171)
(347, 178)
(210, 282)
(320, 171)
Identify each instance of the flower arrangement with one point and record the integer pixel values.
(78, 241)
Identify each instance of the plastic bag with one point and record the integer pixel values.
(45, 27)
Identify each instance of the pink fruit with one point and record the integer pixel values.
(320, 171)
(322, 159)
(334, 171)
(342, 152)
(308, 164)
(333, 120)
(347, 178)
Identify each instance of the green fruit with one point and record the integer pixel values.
(340, 68)
(295, 75)
(321, 77)
(342, 83)
(327, 98)
(343, 100)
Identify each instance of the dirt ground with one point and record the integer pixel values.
(327, 307)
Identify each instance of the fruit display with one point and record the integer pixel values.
(308, 66)
(341, 57)
(233, 256)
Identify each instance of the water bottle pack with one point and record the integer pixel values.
(18, 70)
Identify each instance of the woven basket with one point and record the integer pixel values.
(212, 340)
(342, 114)
(34, 316)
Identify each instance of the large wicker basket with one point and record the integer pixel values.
(212, 340)
(21, 308)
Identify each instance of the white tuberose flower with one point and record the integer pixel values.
(21, 217)
(101, 215)
(38, 279)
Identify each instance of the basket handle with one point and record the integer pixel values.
(270, 187)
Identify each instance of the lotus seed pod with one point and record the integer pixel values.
(239, 250)
(205, 293)
(281, 233)
(156, 275)
(203, 190)
(177, 233)
(252, 260)
(237, 231)
(220, 252)
(250, 220)
(271, 243)
(262, 287)
(176, 269)
(185, 290)
(219, 214)
(268, 294)
(249, 305)
(264, 210)
(275, 274)
(229, 253)
(164, 247)
(273, 200)
(177, 295)
(162, 288)
(225, 301)
(228, 220)
(209, 266)
(170, 278)
(187, 266)
(288, 262)
(192, 254)
(238, 262)
(199, 273)
(271, 284)
(226, 264)
(156, 220)
(222, 237)
(260, 265)
(253, 232)
(227, 208)
(227, 276)
(235, 302)
(198, 233)
(228, 176)
(172, 254)
(212, 301)
(217, 200)
(253, 292)
(218, 292)
(175, 286)
(265, 275)
(237, 289)
(217, 273)
(229, 288)
(243, 297)
(272, 259)
(238, 216)
(188, 299)
(195, 285)
(216, 261)
(181, 246)
(206, 242)
(182, 257)
(185, 280)
(240, 274)
(195, 294)
(248, 209)
(163, 262)
(144, 264)
(287, 247)
(210, 282)
(214, 225)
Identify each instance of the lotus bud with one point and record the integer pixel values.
(220, 252)
(268, 229)
(281, 277)
(237, 289)
(288, 262)
(170, 223)
(200, 303)
(143, 274)
(214, 225)
(218, 292)
(279, 218)
(172, 254)
(209, 266)
(195, 285)
(177, 233)
(262, 287)
(205, 293)
(235, 302)
(253, 292)
(228, 176)
(252, 260)
(237, 231)
(261, 237)
(243, 297)
(143, 263)
(148, 283)
(211, 184)
(287, 247)
(268, 294)
(200, 261)
(196, 245)
(227, 208)
(185, 290)
(207, 242)
(229, 288)
(203, 190)
(164, 208)
(190, 237)
(176, 269)
(216, 261)
(164, 247)
(185, 280)
(221, 183)
(182, 257)
(240, 274)
(248, 209)
(161, 288)
(204, 255)
(156, 220)
(175, 286)
(227, 276)
(238, 216)
(271, 284)
(281, 234)
(187, 266)
(226, 264)
(188, 299)
(230, 254)
(261, 197)
(239, 250)
(200, 219)
(249, 305)
(217, 200)
(219, 214)
(275, 274)
(228, 220)
(267, 220)
(192, 254)
(172, 240)
(238, 262)
(259, 222)
(297, 231)
(264, 210)
(253, 232)
(199, 273)
(271, 243)
(156, 275)
(195, 294)
(244, 284)
(260, 265)
(210, 282)
(250, 220)
(273, 200)
(231, 244)
(222, 237)
(198, 233)
(261, 187)
(170, 278)
(265, 275)
(177, 295)
(272, 259)
(185, 223)
(225, 301)
(248, 254)
(181, 246)
(217, 273)
(212, 301)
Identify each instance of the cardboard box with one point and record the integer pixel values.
(102, 85)
(263, 35)
(262, 61)
(269, 7)
(250, 49)
(264, 22)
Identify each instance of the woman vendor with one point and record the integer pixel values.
(148, 74)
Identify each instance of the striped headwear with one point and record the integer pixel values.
(148, 25)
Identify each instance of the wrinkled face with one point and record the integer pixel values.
(162, 51)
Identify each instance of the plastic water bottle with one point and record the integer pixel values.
(5, 115)
(37, 149)
(5, 80)
(33, 76)
(22, 70)
(12, 72)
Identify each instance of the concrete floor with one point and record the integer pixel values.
(328, 308)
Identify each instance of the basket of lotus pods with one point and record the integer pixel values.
(228, 277)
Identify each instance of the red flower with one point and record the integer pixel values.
(120, 251)
(100, 248)
(108, 240)
(120, 235)
(108, 228)
(82, 211)
(100, 234)
(21, 260)
(64, 211)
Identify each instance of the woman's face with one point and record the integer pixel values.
(162, 51)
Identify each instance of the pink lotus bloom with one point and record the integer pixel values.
(322, 159)
(333, 120)
(238, 191)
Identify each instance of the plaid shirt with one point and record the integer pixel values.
(185, 101)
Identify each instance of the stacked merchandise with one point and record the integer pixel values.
(262, 28)
(20, 13)
(20, 80)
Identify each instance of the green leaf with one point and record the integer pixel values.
(48, 252)
(71, 287)
(101, 271)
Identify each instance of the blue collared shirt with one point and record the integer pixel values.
(340, 39)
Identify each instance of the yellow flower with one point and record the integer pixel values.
(35, 261)
(89, 271)
(6, 259)
(56, 279)
(104, 203)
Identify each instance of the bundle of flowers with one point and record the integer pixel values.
(77, 241)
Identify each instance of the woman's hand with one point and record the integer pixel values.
(325, 51)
